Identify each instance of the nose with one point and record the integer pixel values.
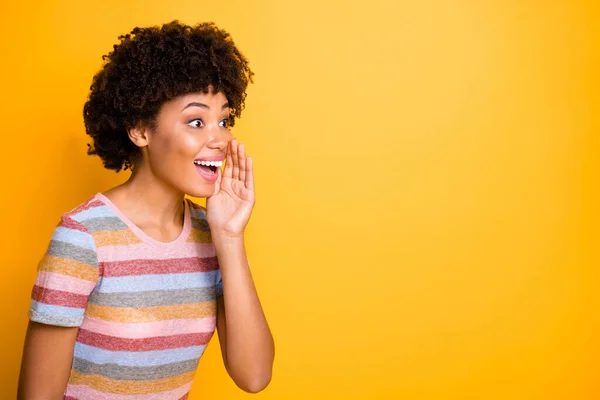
(218, 138)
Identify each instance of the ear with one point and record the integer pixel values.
(139, 135)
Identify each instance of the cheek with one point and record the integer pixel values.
(179, 147)
(189, 144)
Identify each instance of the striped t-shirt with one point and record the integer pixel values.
(145, 309)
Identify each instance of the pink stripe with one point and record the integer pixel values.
(67, 222)
(144, 252)
(147, 344)
(170, 266)
(149, 329)
(58, 297)
(90, 203)
(86, 392)
(52, 280)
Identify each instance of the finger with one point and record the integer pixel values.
(227, 173)
(234, 155)
(242, 162)
(249, 175)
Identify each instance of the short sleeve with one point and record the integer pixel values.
(67, 274)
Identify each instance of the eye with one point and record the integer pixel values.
(196, 123)
(224, 123)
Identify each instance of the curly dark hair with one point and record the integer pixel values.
(151, 66)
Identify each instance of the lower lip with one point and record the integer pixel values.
(208, 176)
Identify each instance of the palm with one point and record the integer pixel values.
(230, 206)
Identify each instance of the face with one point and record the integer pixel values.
(189, 142)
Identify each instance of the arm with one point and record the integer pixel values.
(67, 274)
(246, 342)
(46, 362)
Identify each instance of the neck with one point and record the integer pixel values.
(148, 201)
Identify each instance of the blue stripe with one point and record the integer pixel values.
(57, 311)
(137, 358)
(219, 285)
(144, 283)
(197, 213)
(94, 212)
(73, 236)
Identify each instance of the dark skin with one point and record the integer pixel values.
(50, 350)
(153, 199)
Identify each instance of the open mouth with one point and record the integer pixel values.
(209, 167)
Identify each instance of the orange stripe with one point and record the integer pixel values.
(198, 236)
(68, 267)
(115, 386)
(116, 238)
(152, 314)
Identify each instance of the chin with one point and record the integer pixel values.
(203, 190)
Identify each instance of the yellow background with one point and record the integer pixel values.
(427, 178)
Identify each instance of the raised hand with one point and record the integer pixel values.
(230, 205)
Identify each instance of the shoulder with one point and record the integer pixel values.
(71, 239)
(73, 224)
(198, 215)
(84, 211)
(196, 210)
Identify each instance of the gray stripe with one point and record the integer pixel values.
(154, 298)
(200, 224)
(197, 212)
(104, 224)
(48, 319)
(120, 372)
(70, 251)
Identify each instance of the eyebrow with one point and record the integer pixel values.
(202, 105)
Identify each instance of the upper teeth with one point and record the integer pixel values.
(209, 163)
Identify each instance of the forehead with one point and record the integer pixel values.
(212, 101)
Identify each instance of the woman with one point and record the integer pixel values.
(135, 280)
